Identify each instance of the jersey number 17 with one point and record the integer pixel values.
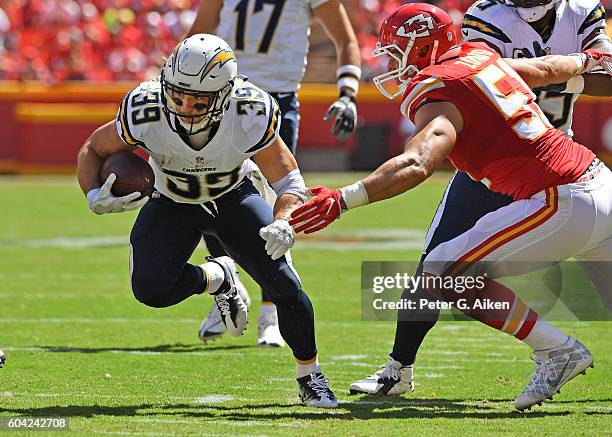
(242, 8)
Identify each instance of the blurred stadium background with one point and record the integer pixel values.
(65, 64)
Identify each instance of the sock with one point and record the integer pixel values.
(265, 297)
(514, 317)
(544, 336)
(267, 308)
(412, 327)
(304, 368)
(213, 277)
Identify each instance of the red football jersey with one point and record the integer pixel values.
(506, 140)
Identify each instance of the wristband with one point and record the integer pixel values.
(348, 76)
(348, 82)
(348, 70)
(579, 59)
(355, 195)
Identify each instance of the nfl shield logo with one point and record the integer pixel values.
(200, 161)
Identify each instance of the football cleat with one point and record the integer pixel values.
(212, 326)
(554, 368)
(314, 391)
(231, 306)
(391, 379)
(2, 359)
(268, 332)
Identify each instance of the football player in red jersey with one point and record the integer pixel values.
(476, 109)
(567, 27)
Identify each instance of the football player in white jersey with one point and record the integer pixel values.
(515, 29)
(270, 40)
(200, 125)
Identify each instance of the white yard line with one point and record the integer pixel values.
(357, 239)
(214, 399)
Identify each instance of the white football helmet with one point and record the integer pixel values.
(532, 10)
(200, 66)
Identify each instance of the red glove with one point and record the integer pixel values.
(594, 58)
(318, 212)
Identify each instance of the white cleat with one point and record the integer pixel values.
(268, 332)
(554, 368)
(2, 359)
(314, 391)
(231, 306)
(212, 326)
(391, 379)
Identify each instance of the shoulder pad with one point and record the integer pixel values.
(258, 116)
(139, 109)
(484, 19)
(417, 92)
(590, 14)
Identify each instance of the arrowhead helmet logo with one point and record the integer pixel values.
(416, 27)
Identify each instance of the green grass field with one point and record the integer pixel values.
(79, 345)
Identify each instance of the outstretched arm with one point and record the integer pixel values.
(560, 69)
(438, 125)
(598, 83)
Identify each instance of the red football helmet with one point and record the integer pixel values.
(414, 36)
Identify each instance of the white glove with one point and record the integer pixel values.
(278, 237)
(346, 116)
(102, 201)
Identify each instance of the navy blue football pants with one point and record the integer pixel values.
(166, 234)
(290, 123)
(465, 202)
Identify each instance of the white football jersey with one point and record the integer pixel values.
(250, 123)
(501, 26)
(270, 39)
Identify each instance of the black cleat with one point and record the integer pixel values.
(315, 392)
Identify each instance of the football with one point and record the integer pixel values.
(133, 174)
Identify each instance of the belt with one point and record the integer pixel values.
(592, 171)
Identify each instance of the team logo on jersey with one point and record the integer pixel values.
(220, 58)
(416, 27)
(200, 162)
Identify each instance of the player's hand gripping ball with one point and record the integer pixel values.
(128, 183)
(134, 174)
